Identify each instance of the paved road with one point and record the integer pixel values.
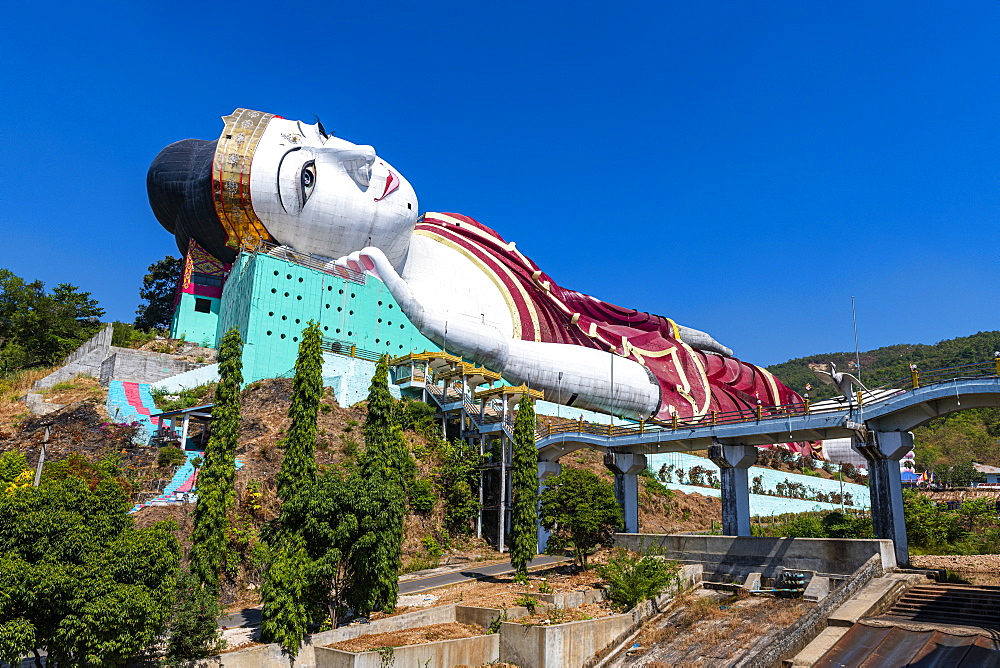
(417, 585)
(412, 585)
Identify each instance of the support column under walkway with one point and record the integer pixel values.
(733, 462)
(883, 450)
(626, 468)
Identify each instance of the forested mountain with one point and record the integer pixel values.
(884, 365)
(947, 442)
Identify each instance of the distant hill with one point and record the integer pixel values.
(957, 439)
(884, 365)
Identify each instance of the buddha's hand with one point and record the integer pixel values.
(458, 333)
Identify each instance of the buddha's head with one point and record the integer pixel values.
(286, 182)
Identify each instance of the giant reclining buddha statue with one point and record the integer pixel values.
(458, 281)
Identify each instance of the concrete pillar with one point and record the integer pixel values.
(546, 470)
(883, 451)
(479, 517)
(502, 510)
(626, 468)
(184, 430)
(733, 462)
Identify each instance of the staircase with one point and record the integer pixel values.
(958, 605)
(446, 400)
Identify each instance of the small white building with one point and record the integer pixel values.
(992, 474)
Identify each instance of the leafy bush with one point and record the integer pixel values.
(12, 463)
(458, 480)
(654, 486)
(581, 511)
(186, 398)
(929, 525)
(631, 579)
(194, 631)
(419, 417)
(525, 601)
(170, 456)
(126, 335)
(422, 495)
(431, 545)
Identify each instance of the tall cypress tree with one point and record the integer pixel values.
(284, 592)
(298, 467)
(284, 614)
(524, 484)
(376, 556)
(218, 473)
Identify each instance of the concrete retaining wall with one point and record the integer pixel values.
(572, 599)
(475, 651)
(271, 655)
(572, 644)
(84, 360)
(98, 358)
(560, 646)
(465, 614)
(740, 556)
(141, 366)
(580, 644)
(409, 620)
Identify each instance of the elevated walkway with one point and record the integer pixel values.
(903, 409)
(878, 422)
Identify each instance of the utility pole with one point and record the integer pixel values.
(41, 459)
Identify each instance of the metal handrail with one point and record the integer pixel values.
(305, 260)
(764, 413)
(348, 349)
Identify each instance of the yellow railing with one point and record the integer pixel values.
(760, 412)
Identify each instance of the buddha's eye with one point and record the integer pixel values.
(307, 180)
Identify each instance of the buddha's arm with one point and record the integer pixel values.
(561, 371)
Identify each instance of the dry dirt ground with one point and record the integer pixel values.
(977, 569)
(414, 636)
(496, 592)
(76, 430)
(708, 629)
(502, 592)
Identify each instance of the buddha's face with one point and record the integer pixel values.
(326, 196)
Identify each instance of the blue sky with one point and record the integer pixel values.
(742, 167)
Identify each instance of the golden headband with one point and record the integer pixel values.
(231, 177)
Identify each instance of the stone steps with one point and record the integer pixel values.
(950, 604)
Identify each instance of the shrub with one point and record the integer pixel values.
(419, 417)
(422, 497)
(525, 601)
(581, 511)
(654, 486)
(431, 545)
(170, 456)
(631, 579)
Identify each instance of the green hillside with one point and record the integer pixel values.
(884, 365)
(952, 441)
